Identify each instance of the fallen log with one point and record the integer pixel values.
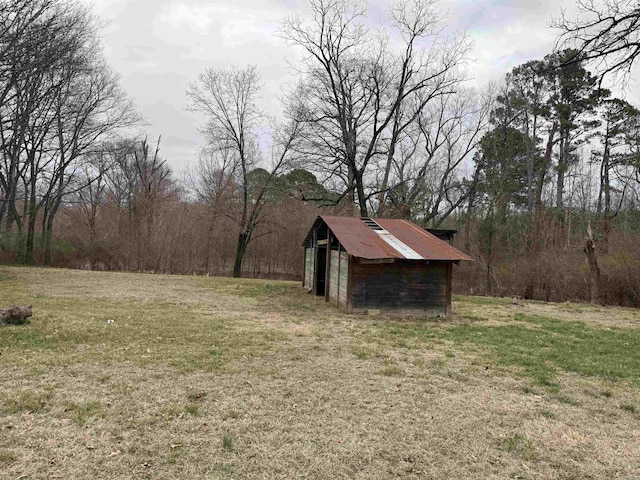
(15, 314)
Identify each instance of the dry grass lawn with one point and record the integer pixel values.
(168, 377)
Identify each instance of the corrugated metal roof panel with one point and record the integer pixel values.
(362, 241)
(424, 243)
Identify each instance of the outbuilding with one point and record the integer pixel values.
(380, 266)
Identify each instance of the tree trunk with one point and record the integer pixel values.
(560, 187)
(15, 314)
(606, 227)
(531, 155)
(48, 239)
(3, 208)
(390, 154)
(562, 168)
(29, 246)
(47, 230)
(362, 199)
(594, 269)
(240, 251)
(209, 244)
(10, 192)
(488, 241)
(537, 219)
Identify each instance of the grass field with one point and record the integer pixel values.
(167, 377)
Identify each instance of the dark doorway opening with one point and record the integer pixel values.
(321, 269)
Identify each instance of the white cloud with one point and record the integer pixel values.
(198, 18)
(159, 47)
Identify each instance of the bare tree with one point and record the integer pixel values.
(594, 268)
(90, 107)
(122, 199)
(427, 184)
(605, 31)
(228, 99)
(36, 37)
(155, 185)
(211, 182)
(357, 95)
(618, 119)
(425, 75)
(91, 198)
(59, 100)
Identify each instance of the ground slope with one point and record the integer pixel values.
(152, 376)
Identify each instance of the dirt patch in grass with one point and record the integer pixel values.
(221, 378)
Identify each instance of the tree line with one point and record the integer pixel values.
(58, 101)
(539, 172)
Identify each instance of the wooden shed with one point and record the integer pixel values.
(387, 266)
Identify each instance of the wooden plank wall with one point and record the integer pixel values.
(338, 271)
(333, 276)
(344, 275)
(401, 285)
(309, 267)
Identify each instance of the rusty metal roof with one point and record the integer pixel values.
(395, 238)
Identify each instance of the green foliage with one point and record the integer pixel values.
(70, 330)
(232, 414)
(62, 247)
(479, 300)
(540, 346)
(304, 185)
(258, 288)
(365, 352)
(191, 409)
(567, 401)
(179, 410)
(627, 221)
(8, 240)
(26, 401)
(227, 443)
(297, 183)
(557, 90)
(521, 445)
(31, 339)
(573, 88)
(502, 161)
(392, 371)
(82, 412)
(7, 457)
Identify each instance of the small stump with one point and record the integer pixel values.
(15, 314)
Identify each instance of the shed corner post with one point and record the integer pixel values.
(349, 299)
(314, 286)
(338, 279)
(304, 266)
(447, 309)
(327, 284)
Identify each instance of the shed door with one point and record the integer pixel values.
(321, 269)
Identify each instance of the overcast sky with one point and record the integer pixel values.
(159, 47)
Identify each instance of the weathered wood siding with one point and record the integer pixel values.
(344, 275)
(401, 285)
(338, 271)
(333, 275)
(309, 255)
